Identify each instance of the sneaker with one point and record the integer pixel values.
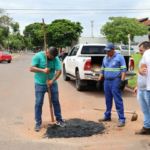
(61, 123)
(37, 127)
(104, 119)
(121, 124)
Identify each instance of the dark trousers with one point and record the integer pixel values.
(112, 91)
(40, 91)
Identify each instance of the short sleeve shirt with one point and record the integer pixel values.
(146, 60)
(142, 85)
(39, 60)
(112, 68)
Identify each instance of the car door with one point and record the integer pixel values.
(73, 60)
(68, 61)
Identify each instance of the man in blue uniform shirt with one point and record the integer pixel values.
(114, 71)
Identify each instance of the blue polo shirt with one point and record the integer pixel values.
(112, 68)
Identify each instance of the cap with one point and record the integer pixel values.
(109, 46)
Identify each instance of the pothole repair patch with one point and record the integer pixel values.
(75, 128)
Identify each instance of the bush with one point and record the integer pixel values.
(137, 57)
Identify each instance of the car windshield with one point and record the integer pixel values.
(5, 53)
(93, 50)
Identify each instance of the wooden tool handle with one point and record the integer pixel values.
(49, 93)
(131, 112)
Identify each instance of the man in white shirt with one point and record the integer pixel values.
(142, 93)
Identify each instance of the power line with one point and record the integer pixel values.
(80, 13)
(78, 9)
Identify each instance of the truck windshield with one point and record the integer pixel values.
(93, 50)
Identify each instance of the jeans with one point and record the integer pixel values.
(112, 91)
(144, 102)
(40, 91)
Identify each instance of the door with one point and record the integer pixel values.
(68, 61)
(73, 60)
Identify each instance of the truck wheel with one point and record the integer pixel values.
(9, 61)
(65, 74)
(78, 82)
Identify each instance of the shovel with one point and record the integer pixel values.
(134, 116)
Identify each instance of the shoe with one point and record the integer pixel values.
(121, 124)
(61, 123)
(143, 131)
(37, 127)
(104, 119)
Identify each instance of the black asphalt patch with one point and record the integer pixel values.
(75, 128)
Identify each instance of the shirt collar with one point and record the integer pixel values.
(114, 55)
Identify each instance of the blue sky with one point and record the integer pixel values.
(95, 10)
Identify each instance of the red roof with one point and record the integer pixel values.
(142, 19)
(147, 23)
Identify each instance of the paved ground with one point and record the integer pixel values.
(17, 114)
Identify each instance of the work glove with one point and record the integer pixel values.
(98, 84)
(121, 85)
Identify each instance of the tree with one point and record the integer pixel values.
(118, 29)
(61, 32)
(31, 32)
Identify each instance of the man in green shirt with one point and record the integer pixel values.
(38, 66)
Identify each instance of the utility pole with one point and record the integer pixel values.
(92, 28)
(8, 33)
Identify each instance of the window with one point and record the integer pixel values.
(74, 51)
(93, 50)
(5, 53)
(126, 48)
(117, 48)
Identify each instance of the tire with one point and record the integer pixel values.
(9, 61)
(78, 82)
(65, 75)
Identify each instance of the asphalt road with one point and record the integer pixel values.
(17, 114)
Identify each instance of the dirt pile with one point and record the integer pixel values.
(75, 128)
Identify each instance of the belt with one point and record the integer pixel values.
(113, 79)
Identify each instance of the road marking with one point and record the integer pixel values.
(15, 56)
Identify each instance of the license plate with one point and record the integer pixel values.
(6, 59)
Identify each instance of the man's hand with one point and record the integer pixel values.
(98, 84)
(121, 85)
(135, 90)
(46, 70)
(49, 83)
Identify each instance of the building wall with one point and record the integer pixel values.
(87, 40)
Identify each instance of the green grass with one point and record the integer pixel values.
(137, 57)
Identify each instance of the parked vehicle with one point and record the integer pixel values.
(124, 50)
(5, 56)
(83, 64)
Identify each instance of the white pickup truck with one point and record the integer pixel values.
(83, 64)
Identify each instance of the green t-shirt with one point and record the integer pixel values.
(39, 60)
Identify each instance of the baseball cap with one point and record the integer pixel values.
(109, 46)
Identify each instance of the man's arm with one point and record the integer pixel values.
(36, 69)
(58, 73)
(100, 76)
(135, 89)
(143, 69)
(123, 76)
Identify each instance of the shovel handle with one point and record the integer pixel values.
(131, 112)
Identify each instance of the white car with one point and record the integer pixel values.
(83, 64)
